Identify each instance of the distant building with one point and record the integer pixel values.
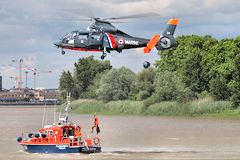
(16, 95)
(46, 94)
(29, 95)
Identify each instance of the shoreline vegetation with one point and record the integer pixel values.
(205, 107)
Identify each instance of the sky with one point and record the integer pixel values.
(28, 31)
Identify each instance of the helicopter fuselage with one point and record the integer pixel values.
(84, 41)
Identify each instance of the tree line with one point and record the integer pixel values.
(198, 66)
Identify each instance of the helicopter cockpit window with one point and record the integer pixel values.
(82, 36)
(67, 35)
(72, 35)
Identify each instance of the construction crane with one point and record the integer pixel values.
(18, 79)
(20, 68)
(26, 70)
(8, 68)
(37, 72)
(26, 79)
(19, 84)
(15, 78)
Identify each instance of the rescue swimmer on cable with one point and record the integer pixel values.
(103, 37)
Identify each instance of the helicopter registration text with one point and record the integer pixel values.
(131, 42)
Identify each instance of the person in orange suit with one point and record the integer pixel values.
(96, 124)
(78, 134)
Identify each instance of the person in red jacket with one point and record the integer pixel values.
(96, 124)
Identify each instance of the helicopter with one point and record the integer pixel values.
(102, 36)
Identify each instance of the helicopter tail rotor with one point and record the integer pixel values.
(166, 40)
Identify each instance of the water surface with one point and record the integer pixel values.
(129, 137)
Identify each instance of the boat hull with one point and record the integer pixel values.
(60, 149)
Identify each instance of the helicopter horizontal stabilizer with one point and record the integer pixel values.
(152, 43)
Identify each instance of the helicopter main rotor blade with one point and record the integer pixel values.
(142, 15)
(70, 15)
(109, 20)
(70, 19)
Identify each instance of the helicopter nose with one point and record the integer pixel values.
(58, 44)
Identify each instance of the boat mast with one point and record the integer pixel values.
(44, 114)
(67, 106)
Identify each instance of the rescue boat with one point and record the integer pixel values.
(61, 137)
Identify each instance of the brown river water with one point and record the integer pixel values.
(128, 137)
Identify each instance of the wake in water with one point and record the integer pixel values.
(149, 150)
(110, 152)
(134, 154)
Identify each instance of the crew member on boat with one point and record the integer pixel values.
(96, 124)
(78, 134)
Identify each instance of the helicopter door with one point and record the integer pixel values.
(81, 41)
(95, 40)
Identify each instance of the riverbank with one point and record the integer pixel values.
(198, 108)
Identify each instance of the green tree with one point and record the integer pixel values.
(193, 73)
(219, 88)
(85, 71)
(204, 63)
(223, 69)
(191, 59)
(92, 89)
(145, 83)
(169, 87)
(174, 59)
(235, 84)
(117, 84)
(66, 84)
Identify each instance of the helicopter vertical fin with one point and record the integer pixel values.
(172, 24)
(111, 41)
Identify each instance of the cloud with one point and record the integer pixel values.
(222, 6)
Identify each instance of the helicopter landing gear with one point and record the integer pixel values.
(103, 55)
(63, 52)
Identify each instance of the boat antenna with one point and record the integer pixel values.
(44, 114)
(67, 106)
(54, 113)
